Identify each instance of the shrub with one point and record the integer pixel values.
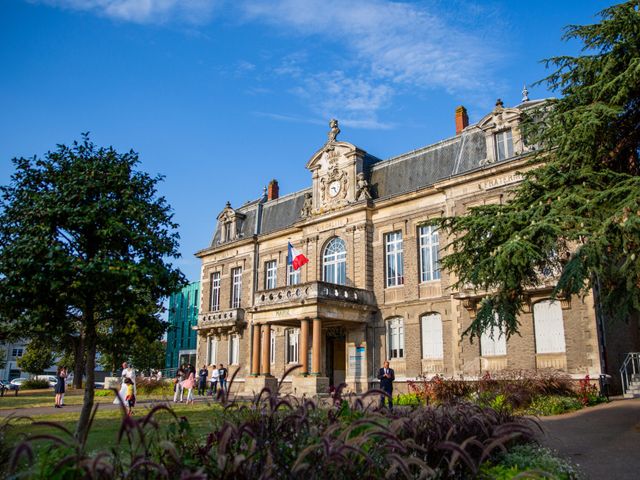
(553, 405)
(588, 393)
(289, 438)
(35, 384)
(153, 386)
(407, 399)
(103, 393)
(530, 458)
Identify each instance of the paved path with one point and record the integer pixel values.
(603, 440)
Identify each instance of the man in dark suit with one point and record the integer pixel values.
(386, 376)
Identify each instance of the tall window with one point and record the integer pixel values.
(234, 349)
(227, 232)
(395, 337)
(432, 341)
(549, 327)
(236, 287)
(429, 253)
(493, 342)
(293, 276)
(394, 258)
(334, 261)
(214, 300)
(270, 273)
(272, 346)
(213, 352)
(504, 145)
(292, 339)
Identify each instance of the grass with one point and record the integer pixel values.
(39, 398)
(107, 423)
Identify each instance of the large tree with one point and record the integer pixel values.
(577, 212)
(37, 357)
(85, 241)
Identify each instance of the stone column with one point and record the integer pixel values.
(303, 353)
(266, 361)
(316, 364)
(255, 354)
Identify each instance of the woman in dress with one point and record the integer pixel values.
(189, 384)
(130, 373)
(61, 375)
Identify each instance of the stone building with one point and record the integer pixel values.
(372, 289)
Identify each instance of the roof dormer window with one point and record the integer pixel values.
(504, 144)
(229, 224)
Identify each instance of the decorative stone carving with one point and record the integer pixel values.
(335, 130)
(307, 206)
(362, 188)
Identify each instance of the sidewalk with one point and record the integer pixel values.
(602, 440)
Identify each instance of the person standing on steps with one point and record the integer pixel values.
(386, 376)
(202, 380)
(222, 378)
(215, 376)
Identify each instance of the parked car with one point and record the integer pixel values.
(49, 378)
(8, 385)
(99, 385)
(18, 381)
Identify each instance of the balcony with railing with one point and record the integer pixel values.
(228, 318)
(313, 292)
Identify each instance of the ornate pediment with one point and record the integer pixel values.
(500, 118)
(338, 178)
(229, 224)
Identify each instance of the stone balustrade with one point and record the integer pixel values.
(313, 292)
(221, 318)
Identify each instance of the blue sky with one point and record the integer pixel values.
(222, 96)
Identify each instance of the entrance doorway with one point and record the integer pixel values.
(336, 357)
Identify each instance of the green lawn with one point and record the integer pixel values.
(45, 398)
(107, 423)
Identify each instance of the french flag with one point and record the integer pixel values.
(295, 258)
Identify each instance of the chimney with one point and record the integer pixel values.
(462, 119)
(273, 190)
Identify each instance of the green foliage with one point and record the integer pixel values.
(538, 461)
(3, 358)
(103, 393)
(407, 399)
(35, 384)
(544, 405)
(577, 212)
(85, 244)
(152, 386)
(147, 355)
(37, 357)
(287, 438)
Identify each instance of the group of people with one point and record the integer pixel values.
(186, 380)
(127, 393)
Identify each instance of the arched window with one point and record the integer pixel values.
(549, 327)
(432, 344)
(395, 337)
(334, 261)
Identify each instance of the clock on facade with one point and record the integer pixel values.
(334, 188)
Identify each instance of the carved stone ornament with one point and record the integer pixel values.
(335, 130)
(307, 206)
(362, 188)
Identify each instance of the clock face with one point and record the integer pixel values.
(334, 188)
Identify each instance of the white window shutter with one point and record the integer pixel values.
(549, 327)
(432, 341)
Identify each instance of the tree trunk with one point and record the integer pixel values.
(90, 341)
(78, 368)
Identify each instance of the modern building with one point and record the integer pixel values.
(12, 352)
(373, 288)
(183, 318)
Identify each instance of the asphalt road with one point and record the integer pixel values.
(604, 441)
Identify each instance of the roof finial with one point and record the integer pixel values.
(499, 103)
(228, 205)
(525, 93)
(335, 130)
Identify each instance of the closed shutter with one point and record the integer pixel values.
(432, 342)
(549, 327)
(493, 342)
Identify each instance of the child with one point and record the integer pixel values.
(130, 398)
(188, 384)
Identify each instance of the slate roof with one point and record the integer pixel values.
(397, 175)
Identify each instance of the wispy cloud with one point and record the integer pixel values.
(142, 11)
(390, 47)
